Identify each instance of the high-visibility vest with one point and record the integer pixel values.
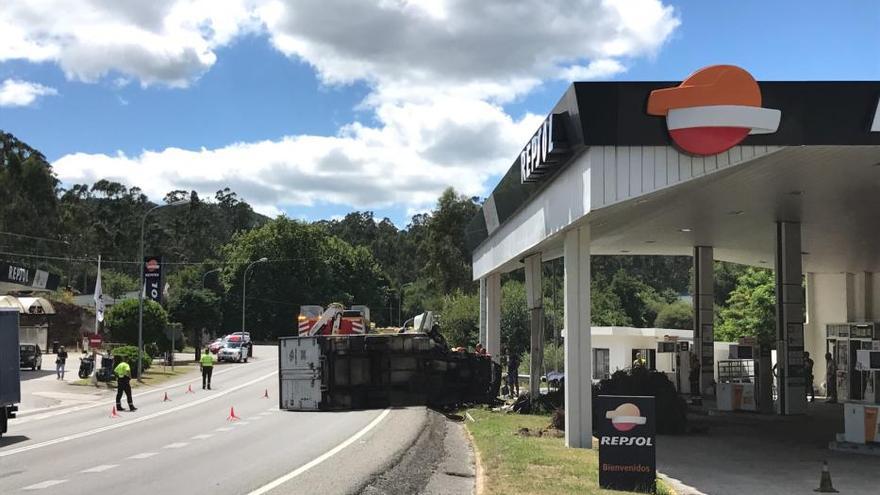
(207, 360)
(122, 369)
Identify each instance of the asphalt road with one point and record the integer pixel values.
(187, 445)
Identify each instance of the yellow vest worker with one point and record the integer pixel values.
(123, 385)
(207, 362)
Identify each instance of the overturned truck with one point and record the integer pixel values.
(326, 373)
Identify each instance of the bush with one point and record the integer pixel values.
(671, 409)
(130, 352)
(676, 315)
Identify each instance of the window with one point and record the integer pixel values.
(601, 364)
(648, 355)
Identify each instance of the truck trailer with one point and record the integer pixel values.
(340, 372)
(10, 382)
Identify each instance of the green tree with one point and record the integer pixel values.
(676, 315)
(751, 309)
(196, 310)
(515, 320)
(122, 323)
(116, 284)
(460, 319)
(449, 260)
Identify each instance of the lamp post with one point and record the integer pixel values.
(244, 294)
(141, 293)
(205, 275)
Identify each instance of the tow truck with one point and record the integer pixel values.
(335, 320)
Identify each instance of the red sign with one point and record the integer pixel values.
(713, 110)
(95, 341)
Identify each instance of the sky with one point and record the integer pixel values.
(315, 108)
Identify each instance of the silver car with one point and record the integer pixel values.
(233, 351)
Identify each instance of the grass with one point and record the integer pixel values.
(532, 465)
(153, 377)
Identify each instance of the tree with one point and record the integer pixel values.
(516, 327)
(122, 323)
(196, 310)
(638, 300)
(448, 257)
(751, 309)
(460, 319)
(676, 315)
(116, 284)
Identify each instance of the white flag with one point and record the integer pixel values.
(99, 295)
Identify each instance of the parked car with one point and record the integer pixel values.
(233, 351)
(30, 356)
(216, 345)
(237, 336)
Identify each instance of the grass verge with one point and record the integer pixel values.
(512, 463)
(153, 377)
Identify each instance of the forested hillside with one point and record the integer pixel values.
(398, 272)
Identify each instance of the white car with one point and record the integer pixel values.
(233, 351)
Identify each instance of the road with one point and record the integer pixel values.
(188, 445)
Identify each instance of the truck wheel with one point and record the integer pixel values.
(34, 368)
(245, 359)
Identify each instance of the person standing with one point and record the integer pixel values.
(60, 361)
(206, 362)
(123, 384)
(808, 376)
(830, 379)
(513, 374)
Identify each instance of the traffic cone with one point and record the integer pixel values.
(266, 394)
(113, 413)
(232, 416)
(825, 480)
(166, 399)
(190, 389)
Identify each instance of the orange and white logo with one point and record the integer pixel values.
(713, 110)
(626, 417)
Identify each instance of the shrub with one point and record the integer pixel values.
(130, 352)
(671, 409)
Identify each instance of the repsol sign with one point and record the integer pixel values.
(627, 433)
(547, 148)
(18, 274)
(627, 441)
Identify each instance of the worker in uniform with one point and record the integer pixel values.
(207, 364)
(123, 384)
(639, 361)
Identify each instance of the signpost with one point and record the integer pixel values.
(95, 341)
(153, 278)
(627, 435)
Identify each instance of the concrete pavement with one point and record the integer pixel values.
(188, 446)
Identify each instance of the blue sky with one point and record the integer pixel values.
(261, 88)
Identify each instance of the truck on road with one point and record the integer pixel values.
(10, 381)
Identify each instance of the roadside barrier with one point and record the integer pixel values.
(825, 480)
(232, 416)
(189, 390)
(166, 399)
(113, 413)
(266, 394)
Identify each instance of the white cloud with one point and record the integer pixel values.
(439, 72)
(15, 93)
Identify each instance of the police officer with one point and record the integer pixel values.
(207, 364)
(123, 384)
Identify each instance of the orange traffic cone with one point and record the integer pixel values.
(190, 389)
(232, 416)
(825, 480)
(113, 413)
(266, 394)
(166, 399)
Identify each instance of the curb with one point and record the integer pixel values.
(479, 474)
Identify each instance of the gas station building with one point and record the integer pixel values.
(781, 175)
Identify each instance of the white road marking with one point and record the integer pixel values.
(256, 418)
(241, 423)
(100, 469)
(144, 455)
(224, 428)
(45, 484)
(44, 413)
(203, 436)
(141, 419)
(176, 445)
(323, 457)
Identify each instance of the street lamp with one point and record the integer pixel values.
(141, 294)
(205, 275)
(244, 295)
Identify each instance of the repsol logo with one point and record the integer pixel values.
(548, 147)
(627, 441)
(17, 274)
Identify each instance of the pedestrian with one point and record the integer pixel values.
(694, 375)
(808, 376)
(480, 350)
(513, 374)
(206, 362)
(123, 384)
(830, 379)
(60, 361)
